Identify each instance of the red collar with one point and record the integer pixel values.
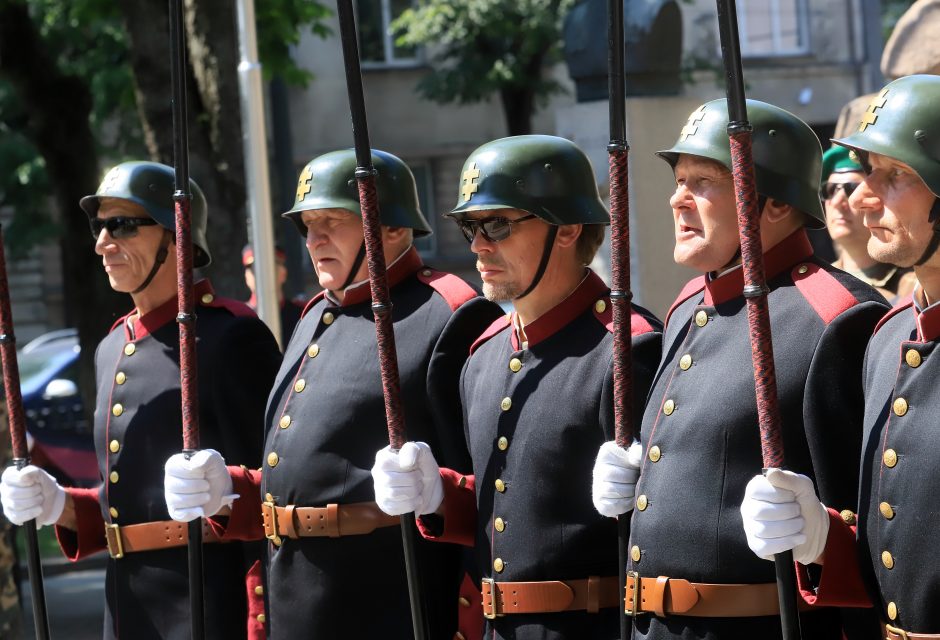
(401, 268)
(151, 321)
(584, 296)
(791, 250)
(927, 320)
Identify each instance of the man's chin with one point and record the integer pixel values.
(500, 292)
(890, 253)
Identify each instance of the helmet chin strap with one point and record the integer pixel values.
(160, 258)
(931, 249)
(546, 254)
(355, 267)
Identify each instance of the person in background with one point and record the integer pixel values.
(292, 309)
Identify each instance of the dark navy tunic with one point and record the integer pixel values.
(701, 427)
(137, 427)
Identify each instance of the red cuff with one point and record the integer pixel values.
(255, 592)
(245, 522)
(88, 538)
(841, 582)
(470, 613)
(460, 510)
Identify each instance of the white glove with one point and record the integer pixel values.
(780, 512)
(615, 474)
(31, 493)
(408, 480)
(197, 487)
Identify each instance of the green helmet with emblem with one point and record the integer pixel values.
(902, 122)
(329, 182)
(544, 175)
(151, 185)
(787, 154)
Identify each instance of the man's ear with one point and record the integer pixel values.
(394, 234)
(776, 211)
(567, 234)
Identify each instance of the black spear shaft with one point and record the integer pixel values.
(184, 291)
(381, 302)
(620, 295)
(755, 290)
(17, 419)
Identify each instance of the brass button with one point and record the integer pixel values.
(498, 565)
(207, 298)
(459, 636)
(284, 422)
(272, 459)
(515, 364)
(129, 349)
(668, 407)
(268, 497)
(900, 406)
(642, 502)
(887, 559)
(600, 306)
(803, 269)
(500, 485)
(259, 590)
(300, 385)
(120, 378)
(685, 362)
(848, 517)
(463, 602)
(892, 611)
(502, 443)
(426, 273)
(912, 357)
(117, 409)
(635, 553)
(313, 350)
(890, 458)
(701, 318)
(506, 404)
(499, 525)
(462, 482)
(114, 446)
(886, 510)
(655, 453)
(261, 618)
(328, 318)
(113, 512)
(114, 477)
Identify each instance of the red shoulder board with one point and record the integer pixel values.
(498, 325)
(605, 315)
(315, 299)
(894, 311)
(825, 294)
(236, 308)
(692, 287)
(453, 289)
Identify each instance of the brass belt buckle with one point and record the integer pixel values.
(494, 600)
(635, 609)
(273, 536)
(898, 632)
(112, 535)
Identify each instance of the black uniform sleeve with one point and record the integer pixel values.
(646, 350)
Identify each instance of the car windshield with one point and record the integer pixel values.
(39, 365)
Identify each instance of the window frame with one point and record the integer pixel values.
(388, 44)
(776, 52)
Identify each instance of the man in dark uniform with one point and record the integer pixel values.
(336, 566)
(138, 421)
(292, 309)
(537, 395)
(700, 431)
(898, 144)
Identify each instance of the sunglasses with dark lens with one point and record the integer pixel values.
(829, 190)
(493, 229)
(119, 227)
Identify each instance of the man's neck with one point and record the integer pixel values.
(929, 279)
(855, 257)
(552, 289)
(156, 294)
(392, 255)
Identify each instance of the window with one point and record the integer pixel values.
(422, 172)
(376, 42)
(773, 27)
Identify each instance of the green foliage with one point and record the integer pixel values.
(481, 47)
(280, 24)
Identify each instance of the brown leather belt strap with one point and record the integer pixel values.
(663, 596)
(590, 594)
(333, 520)
(893, 633)
(149, 536)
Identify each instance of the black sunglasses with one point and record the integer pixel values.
(119, 227)
(829, 190)
(493, 229)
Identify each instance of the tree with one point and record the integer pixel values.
(480, 48)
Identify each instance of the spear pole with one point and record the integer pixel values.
(755, 290)
(381, 302)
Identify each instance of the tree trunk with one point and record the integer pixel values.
(519, 102)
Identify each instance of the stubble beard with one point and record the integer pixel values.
(501, 292)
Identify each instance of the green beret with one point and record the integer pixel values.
(839, 160)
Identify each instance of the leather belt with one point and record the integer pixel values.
(664, 596)
(893, 633)
(589, 594)
(149, 536)
(333, 520)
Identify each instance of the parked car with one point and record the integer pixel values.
(55, 413)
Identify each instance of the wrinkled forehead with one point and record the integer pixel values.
(334, 214)
(111, 207)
